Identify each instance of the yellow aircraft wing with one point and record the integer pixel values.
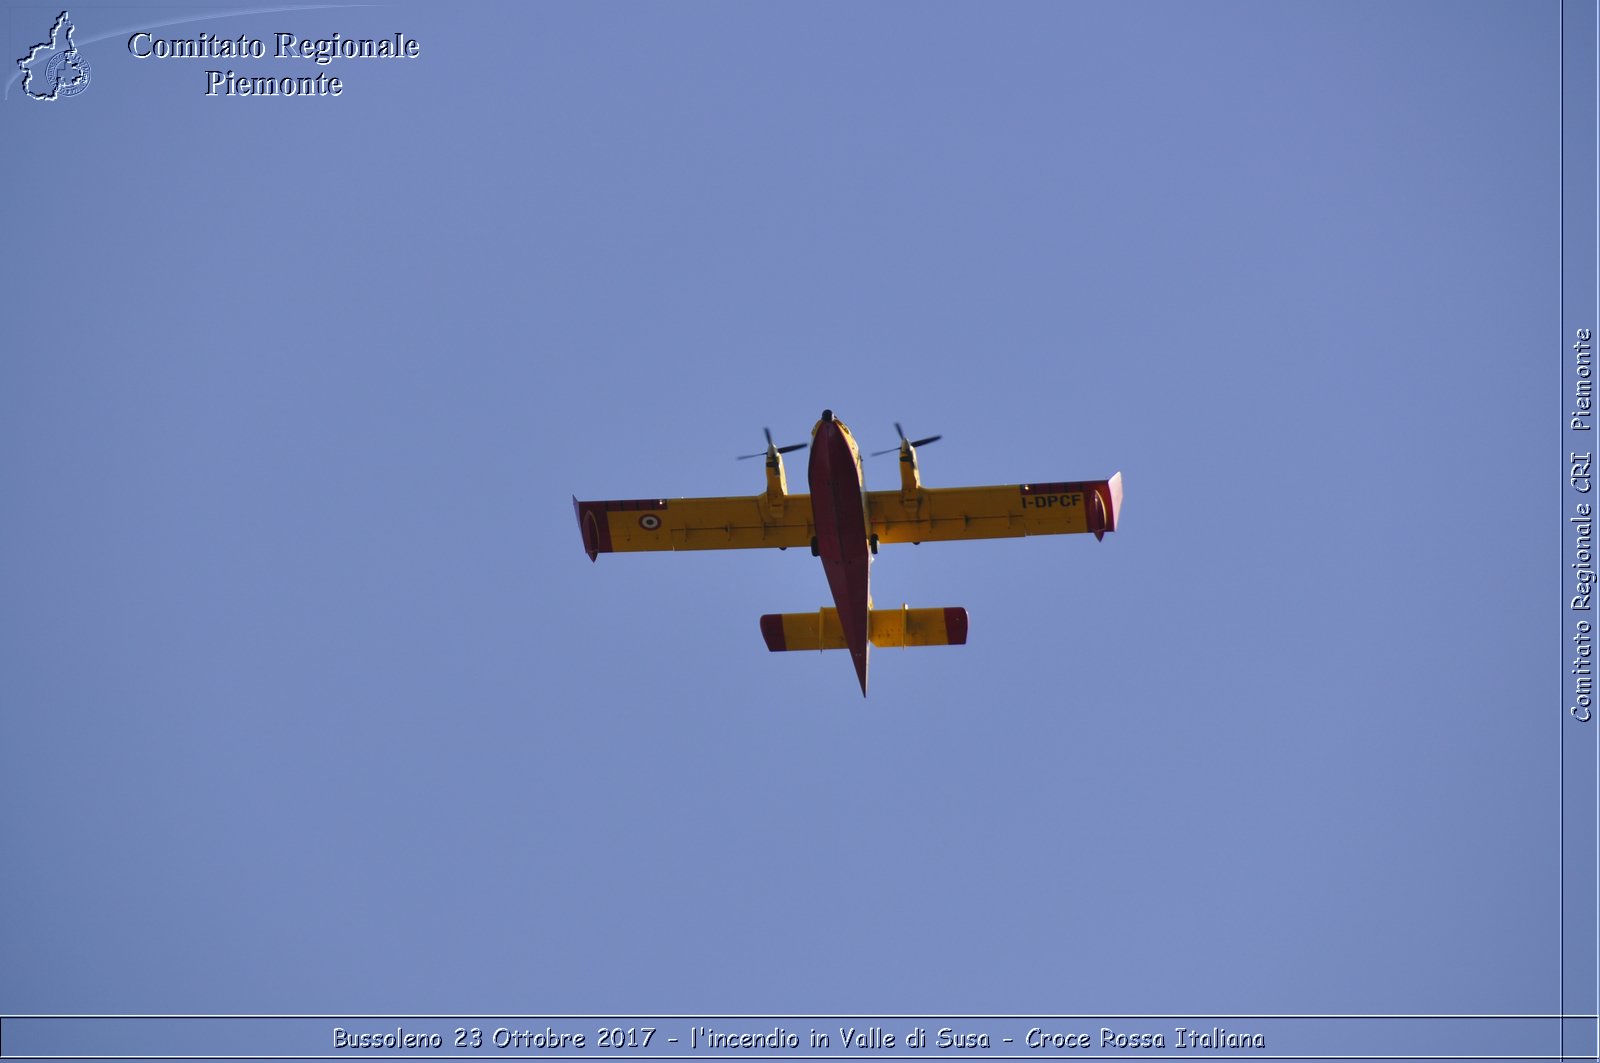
(695, 523)
(944, 513)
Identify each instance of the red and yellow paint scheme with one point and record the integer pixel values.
(844, 524)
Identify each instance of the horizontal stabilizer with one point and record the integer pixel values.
(821, 630)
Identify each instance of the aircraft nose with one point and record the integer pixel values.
(827, 415)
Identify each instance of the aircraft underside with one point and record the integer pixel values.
(839, 510)
(844, 524)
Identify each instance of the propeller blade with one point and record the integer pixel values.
(904, 442)
(770, 448)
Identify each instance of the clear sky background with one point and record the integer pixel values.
(311, 701)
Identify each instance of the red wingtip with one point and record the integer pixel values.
(1106, 509)
(955, 625)
(589, 525)
(772, 631)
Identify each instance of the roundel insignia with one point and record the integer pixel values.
(649, 522)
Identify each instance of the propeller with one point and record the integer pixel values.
(901, 432)
(771, 448)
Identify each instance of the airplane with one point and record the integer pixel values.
(844, 524)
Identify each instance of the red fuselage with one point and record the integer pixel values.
(839, 510)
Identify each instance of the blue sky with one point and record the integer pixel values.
(313, 702)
